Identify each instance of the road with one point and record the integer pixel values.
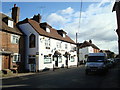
(67, 78)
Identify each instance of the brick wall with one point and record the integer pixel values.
(6, 43)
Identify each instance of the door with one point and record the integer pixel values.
(6, 62)
(56, 61)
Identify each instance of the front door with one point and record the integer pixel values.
(56, 61)
(6, 62)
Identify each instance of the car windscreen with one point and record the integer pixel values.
(95, 59)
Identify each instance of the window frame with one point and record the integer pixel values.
(14, 39)
(32, 41)
(18, 57)
(50, 59)
(47, 43)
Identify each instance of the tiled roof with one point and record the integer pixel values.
(52, 34)
(86, 44)
(5, 27)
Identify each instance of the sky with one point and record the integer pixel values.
(97, 21)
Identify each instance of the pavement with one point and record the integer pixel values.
(17, 75)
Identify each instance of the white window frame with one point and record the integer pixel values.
(72, 59)
(14, 39)
(18, 59)
(58, 44)
(10, 23)
(60, 59)
(47, 59)
(47, 43)
(47, 30)
(64, 35)
(66, 46)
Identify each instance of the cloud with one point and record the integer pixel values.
(55, 19)
(97, 22)
(68, 10)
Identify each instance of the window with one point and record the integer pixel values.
(10, 23)
(60, 59)
(16, 58)
(95, 59)
(73, 48)
(47, 43)
(72, 59)
(47, 30)
(47, 59)
(63, 35)
(31, 61)
(58, 44)
(32, 41)
(65, 46)
(14, 39)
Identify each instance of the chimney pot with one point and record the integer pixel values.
(14, 5)
(90, 41)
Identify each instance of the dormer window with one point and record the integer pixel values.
(47, 30)
(10, 23)
(45, 26)
(63, 35)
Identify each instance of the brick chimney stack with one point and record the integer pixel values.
(90, 41)
(15, 13)
(37, 18)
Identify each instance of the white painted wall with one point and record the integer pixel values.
(84, 51)
(40, 42)
(52, 49)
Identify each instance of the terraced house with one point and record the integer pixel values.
(46, 47)
(11, 36)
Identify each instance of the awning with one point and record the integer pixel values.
(57, 53)
(66, 54)
(5, 52)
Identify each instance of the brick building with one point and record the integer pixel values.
(11, 37)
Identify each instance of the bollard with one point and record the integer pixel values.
(53, 68)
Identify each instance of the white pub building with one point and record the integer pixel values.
(45, 46)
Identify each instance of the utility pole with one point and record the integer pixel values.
(77, 49)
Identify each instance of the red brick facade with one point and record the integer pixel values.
(6, 43)
(8, 48)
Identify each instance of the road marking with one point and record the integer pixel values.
(7, 86)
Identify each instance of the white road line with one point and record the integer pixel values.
(7, 86)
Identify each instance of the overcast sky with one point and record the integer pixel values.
(97, 21)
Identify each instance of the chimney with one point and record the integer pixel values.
(15, 13)
(37, 18)
(90, 41)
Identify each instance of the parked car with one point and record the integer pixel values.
(117, 60)
(110, 62)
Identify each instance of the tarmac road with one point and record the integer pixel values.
(67, 78)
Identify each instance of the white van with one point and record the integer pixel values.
(96, 62)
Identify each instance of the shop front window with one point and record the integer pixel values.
(47, 59)
(72, 59)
